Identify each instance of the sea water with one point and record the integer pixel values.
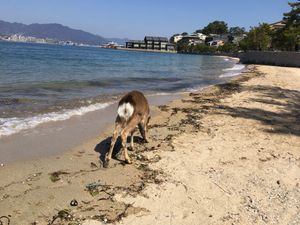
(40, 83)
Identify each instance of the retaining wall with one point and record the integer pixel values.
(291, 59)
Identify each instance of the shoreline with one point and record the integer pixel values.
(57, 137)
(198, 126)
(144, 50)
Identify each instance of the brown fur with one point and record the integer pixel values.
(140, 118)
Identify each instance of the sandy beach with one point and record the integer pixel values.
(228, 154)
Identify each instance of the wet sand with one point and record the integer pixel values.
(226, 155)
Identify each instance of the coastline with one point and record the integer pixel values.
(192, 163)
(145, 50)
(56, 137)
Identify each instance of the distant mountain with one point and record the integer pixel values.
(53, 31)
(120, 41)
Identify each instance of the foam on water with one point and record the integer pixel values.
(235, 67)
(234, 71)
(9, 126)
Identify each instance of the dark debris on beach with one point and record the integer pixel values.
(190, 116)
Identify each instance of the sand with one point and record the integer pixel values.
(229, 154)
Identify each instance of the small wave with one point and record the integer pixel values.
(229, 75)
(235, 67)
(9, 126)
(159, 94)
(234, 71)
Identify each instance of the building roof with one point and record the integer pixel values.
(279, 24)
(190, 37)
(136, 41)
(151, 38)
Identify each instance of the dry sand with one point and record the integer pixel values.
(229, 154)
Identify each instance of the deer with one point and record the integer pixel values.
(133, 111)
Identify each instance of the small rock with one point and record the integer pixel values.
(1, 164)
(74, 202)
(278, 182)
(93, 165)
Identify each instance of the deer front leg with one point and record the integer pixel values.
(143, 131)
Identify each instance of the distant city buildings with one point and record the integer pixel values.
(21, 38)
(151, 43)
(28, 39)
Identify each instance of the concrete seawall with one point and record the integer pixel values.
(291, 59)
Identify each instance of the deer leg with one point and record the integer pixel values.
(124, 135)
(131, 139)
(129, 128)
(143, 129)
(146, 128)
(112, 144)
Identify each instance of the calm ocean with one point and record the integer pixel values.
(41, 83)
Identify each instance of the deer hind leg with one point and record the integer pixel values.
(124, 135)
(131, 139)
(112, 144)
(143, 127)
(129, 129)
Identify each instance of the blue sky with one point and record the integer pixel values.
(137, 18)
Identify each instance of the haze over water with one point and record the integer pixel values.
(41, 83)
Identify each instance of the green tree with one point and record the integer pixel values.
(288, 38)
(293, 17)
(182, 46)
(216, 27)
(203, 48)
(228, 47)
(237, 30)
(185, 33)
(258, 38)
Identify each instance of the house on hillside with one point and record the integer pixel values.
(219, 40)
(235, 39)
(193, 39)
(277, 25)
(177, 38)
(200, 36)
(151, 43)
(190, 39)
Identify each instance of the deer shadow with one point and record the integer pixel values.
(103, 147)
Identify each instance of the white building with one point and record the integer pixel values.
(201, 36)
(177, 38)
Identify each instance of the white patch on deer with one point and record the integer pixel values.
(125, 110)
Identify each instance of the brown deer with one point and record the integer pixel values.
(133, 111)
